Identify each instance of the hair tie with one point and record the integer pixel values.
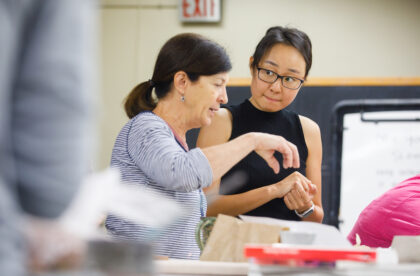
(151, 83)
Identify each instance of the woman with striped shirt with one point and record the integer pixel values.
(187, 88)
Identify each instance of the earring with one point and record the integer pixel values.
(182, 99)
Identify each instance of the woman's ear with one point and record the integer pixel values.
(251, 68)
(181, 81)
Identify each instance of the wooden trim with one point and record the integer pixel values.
(319, 81)
(239, 82)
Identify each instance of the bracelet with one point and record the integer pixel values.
(306, 212)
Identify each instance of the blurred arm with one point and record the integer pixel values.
(53, 104)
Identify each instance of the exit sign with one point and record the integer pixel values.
(199, 10)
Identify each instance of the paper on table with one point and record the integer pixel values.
(325, 235)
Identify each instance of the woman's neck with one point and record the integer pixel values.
(172, 115)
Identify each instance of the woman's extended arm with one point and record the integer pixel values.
(154, 150)
(224, 156)
(218, 133)
(239, 204)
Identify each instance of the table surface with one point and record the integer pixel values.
(173, 267)
(193, 267)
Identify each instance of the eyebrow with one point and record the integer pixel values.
(276, 65)
(221, 78)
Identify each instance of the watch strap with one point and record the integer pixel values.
(306, 212)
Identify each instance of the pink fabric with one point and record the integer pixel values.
(396, 212)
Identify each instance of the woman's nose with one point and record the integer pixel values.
(277, 86)
(223, 98)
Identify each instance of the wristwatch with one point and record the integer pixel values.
(306, 212)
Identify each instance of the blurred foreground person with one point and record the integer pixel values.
(45, 101)
(395, 213)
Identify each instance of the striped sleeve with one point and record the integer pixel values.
(153, 148)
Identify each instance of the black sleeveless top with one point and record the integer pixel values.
(246, 118)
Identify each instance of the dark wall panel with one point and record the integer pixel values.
(318, 103)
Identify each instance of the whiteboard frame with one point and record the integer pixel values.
(339, 111)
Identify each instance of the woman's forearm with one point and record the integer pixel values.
(239, 204)
(224, 156)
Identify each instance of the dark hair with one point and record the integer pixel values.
(288, 36)
(192, 53)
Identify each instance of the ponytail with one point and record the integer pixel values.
(139, 99)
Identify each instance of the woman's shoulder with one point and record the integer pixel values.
(145, 121)
(146, 116)
(309, 125)
(312, 135)
(223, 114)
(218, 131)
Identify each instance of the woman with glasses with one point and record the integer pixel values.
(279, 66)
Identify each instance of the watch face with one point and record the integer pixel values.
(307, 213)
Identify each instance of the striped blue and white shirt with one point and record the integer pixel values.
(147, 154)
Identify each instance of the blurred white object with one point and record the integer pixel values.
(408, 248)
(103, 192)
(386, 256)
(297, 237)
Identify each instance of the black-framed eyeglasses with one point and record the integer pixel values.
(271, 77)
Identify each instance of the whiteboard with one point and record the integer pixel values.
(375, 157)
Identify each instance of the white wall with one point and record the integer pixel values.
(351, 38)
